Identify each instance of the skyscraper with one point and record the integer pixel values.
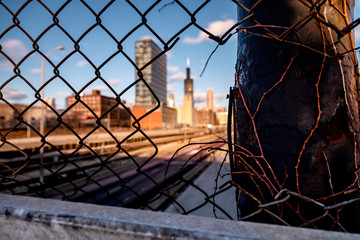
(171, 102)
(188, 107)
(154, 74)
(210, 99)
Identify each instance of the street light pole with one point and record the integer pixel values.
(42, 118)
(42, 108)
(42, 123)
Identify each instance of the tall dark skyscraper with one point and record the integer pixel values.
(188, 107)
(155, 74)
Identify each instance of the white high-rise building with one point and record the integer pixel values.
(210, 99)
(171, 100)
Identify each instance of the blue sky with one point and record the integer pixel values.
(357, 30)
(97, 45)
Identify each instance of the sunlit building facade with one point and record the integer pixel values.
(222, 116)
(154, 74)
(163, 117)
(210, 99)
(188, 114)
(171, 100)
(204, 117)
(98, 104)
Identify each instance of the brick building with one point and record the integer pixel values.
(155, 76)
(204, 117)
(99, 105)
(163, 117)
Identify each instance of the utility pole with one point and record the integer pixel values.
(296, 112)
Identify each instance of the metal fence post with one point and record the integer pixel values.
(298, 112)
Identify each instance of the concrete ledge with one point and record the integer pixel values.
(33, 218)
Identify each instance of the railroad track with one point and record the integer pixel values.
(137, 189)
(82, 177)
(30, 146)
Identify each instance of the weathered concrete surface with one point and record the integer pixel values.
(33, 218)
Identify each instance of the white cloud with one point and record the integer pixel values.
(15, 49)
(101, 88)
(172, 69)
(220, 96)
(170, 88)
(217, 28)
(82, 63)
(175, 74)
(199, 97)
(5, 65)
(169, 54)
(114, 81)
(357, 33)
(178, 76)
(10, 93)
(35, 70)
(62, 94)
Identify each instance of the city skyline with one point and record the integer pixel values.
(98, 46)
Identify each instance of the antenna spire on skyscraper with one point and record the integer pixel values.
(188, 68)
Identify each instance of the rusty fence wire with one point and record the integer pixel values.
(290, 126)
(86, 171)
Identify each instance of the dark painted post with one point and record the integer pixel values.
(296, 114)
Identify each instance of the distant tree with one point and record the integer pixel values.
(297, 112)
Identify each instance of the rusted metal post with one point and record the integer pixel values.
(296, 113)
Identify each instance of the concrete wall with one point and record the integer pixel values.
(34, 218)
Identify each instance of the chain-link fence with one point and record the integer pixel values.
(86, 152)
(126, 169)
